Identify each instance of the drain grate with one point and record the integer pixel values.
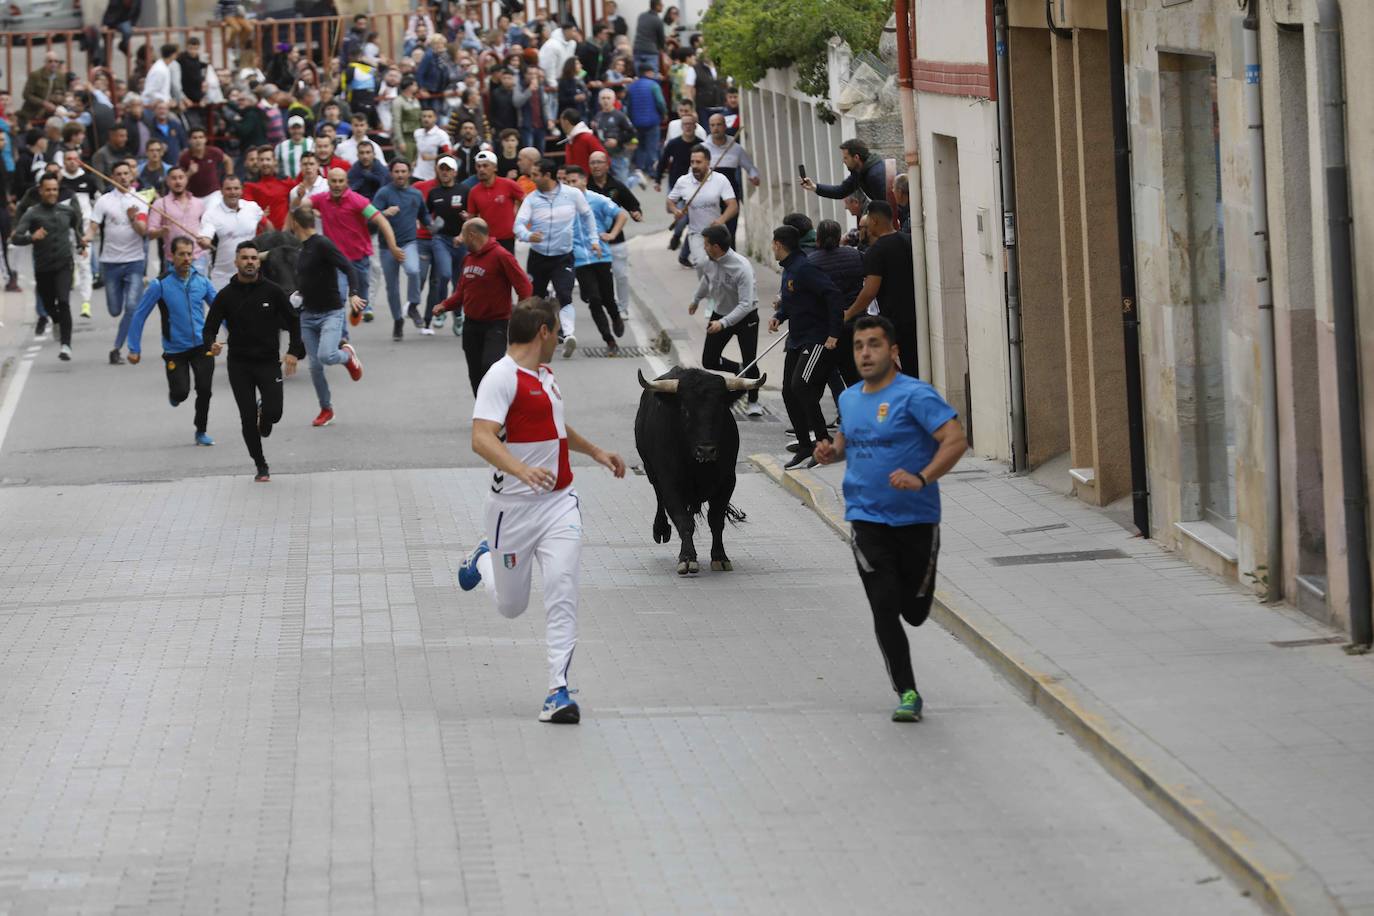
(1068, 556)
(1037, 529)
(768, 416)
(623, 352)
(1300, 643)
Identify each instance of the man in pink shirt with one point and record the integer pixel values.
(177, 213)
(344, 217)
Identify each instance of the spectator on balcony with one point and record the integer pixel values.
(121, 16)
(193, 73)
(44, 90)
(561, 46)
(160, 85)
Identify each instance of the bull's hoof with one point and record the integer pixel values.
(688, 568)
(722, 566)
(663, 533)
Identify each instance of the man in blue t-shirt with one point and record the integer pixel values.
(899, 437)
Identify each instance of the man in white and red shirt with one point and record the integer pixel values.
(533, 512)
(344, 218)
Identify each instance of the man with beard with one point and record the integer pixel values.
(270, 191)
(368, 174)
(465, 149)
(255, 311)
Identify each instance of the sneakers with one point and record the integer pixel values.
(355, 317)
(469, 576)
(754, 409)
(800, 460)
(617, 325)
(367, 314)
(612, 348)
(398, 329)
(40, 328)
(65, 354)
(85, 310)
(909, 710)
(426, 332)
(325, 417)
(560, 709)
(354, 365)
(413, 313)
(439, 319)
(116, 358)
(569, 345)
(458, 321)
(264, 429)
(204, 439)
(13, 285)
(263, 475)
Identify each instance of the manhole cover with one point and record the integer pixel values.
(740, 406)
(633, 352)
(1070, 556)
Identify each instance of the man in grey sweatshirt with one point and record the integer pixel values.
(728, 281)
(53, 229)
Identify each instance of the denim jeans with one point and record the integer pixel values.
(391, 270)
(643, 60)
(647, 153)
(321, 332)
(123, 288)
(446, 259)
(620, 169)
(533, 136)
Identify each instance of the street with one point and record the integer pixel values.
(218, 696)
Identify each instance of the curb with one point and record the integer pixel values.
(1257, 861)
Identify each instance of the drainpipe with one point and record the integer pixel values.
(1008, 165)
(1336, 173)
(911, 142)
(1264, 294)
(1125, 241)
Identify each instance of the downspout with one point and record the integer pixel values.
(1125, 241)
(1264, 294)
(911, 143)
(1336, 173)
(1006, 160)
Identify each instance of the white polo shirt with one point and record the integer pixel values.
(428, 143)
(227, 228)
(707, 206)
(123, 244)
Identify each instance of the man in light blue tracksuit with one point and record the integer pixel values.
(181, 295)
(594, 277)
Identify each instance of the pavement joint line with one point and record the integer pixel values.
(1251, 856)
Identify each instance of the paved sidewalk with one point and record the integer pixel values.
(1256, 713)
(223, 697)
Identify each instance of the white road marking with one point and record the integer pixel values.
(11, 404)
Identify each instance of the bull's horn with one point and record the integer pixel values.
(660, 385)
(735, 383)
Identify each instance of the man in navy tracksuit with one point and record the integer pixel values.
(814, 310)
(182, 295)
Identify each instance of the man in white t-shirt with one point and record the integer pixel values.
(227, 222)
(123, 217)
(533, 514)
(707, 199)
(431, 142)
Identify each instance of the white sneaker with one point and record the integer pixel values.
(426, 332)
(569, 345)
(755, 409)
(65, 354)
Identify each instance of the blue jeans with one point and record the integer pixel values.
(645, 60)
(321, 332)
(391, 270)
(620, 169)
(647, 154)
(533, 136)
(445, 259)
(123, 287)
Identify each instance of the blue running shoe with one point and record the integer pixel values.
(469, 576)
(560, 709)
(203, 439)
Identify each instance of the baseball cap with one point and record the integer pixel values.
(294, 120)
(448, 161)
(486, 156)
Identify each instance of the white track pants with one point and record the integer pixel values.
(546, 529)
(620, 267)
(84, 279)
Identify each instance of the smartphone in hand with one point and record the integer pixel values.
(801, 171)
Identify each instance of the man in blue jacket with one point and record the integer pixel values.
(645, 106)
(811, 305)
(181, 295)
(594, 277)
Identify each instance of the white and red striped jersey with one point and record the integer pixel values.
(529, 407)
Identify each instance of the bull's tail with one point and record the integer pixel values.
(733, 514)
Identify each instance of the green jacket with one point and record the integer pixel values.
(54, 250)
(41, 87)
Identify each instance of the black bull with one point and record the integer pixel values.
(688, 443)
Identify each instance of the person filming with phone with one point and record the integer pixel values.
(867, 173)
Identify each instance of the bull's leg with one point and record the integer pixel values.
(681, 516)
(715, 517)
(663, 532)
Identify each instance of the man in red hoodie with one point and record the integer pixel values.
(582, 141)
(490, 274)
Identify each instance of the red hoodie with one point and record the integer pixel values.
(581, 144)
(486, 282)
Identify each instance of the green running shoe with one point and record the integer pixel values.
(909, 710)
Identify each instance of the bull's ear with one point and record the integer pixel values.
(658, 385)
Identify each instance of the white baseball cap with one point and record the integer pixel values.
(294, 120)
(448, 161)
(486, 156)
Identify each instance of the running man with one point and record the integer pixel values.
(490, 274)
(255, 311)
(181, 295)
(344, 216)
(122, 218)
(727, 281)
(54, 230)
(899, 437)
(404, 209)
(533, 514)
(706, 198)
(593, 271)
(226, 222)
(322, 272)
(545, 221)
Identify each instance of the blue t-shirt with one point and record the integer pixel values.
(412, 207)
(885, 430)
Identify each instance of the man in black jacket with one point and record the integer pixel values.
(810, 304)
(867, 173)
(255, 311)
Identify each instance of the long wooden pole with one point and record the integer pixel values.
(193, 233)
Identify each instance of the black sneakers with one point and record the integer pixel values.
(398, 329)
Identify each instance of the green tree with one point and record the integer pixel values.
(747, 38)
